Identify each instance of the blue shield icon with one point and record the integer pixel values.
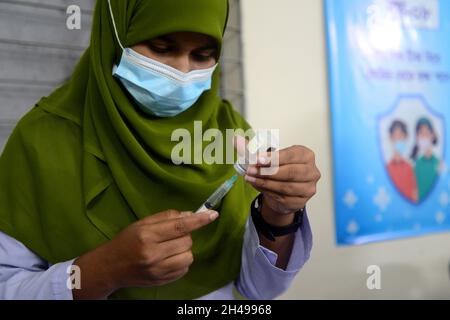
(411, 140)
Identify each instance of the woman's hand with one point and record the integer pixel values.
(151, 252)
(290, 188)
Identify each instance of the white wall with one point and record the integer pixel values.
(286, 88)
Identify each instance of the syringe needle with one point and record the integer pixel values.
(218, 195)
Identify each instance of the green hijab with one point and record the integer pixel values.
(85, 162)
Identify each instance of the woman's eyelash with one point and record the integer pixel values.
(160, 49)
(204, 57)
(201, 57)
(167, 49)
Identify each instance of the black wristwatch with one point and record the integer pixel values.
(270, 231)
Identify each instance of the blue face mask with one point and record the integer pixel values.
(157, 88)
(400, 147)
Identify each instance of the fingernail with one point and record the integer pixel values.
(213, 215)
(252, 171)
(250, 179)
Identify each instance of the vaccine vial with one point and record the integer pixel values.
(263, 141)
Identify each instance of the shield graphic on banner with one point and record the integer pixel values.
(412, 139)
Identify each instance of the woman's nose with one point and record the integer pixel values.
(181, 63)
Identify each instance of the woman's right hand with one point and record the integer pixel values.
(151, 252)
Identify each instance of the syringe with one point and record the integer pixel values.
(218, 195)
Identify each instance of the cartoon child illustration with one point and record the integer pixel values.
(427, 165)
(399, 168)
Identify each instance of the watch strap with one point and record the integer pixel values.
(269, 231)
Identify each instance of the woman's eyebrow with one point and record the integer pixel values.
(165, 39)
(211, 46)
(169, 40)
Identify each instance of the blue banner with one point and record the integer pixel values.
(389, 74)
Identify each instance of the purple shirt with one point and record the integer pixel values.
(24, 275)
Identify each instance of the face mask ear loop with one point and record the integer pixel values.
(114, 25)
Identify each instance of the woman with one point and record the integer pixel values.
(400, 170)
(427, 164)
(87, 180)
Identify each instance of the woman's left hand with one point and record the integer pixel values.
(292, 185)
